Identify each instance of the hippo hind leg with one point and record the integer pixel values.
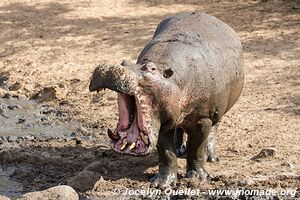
(179, 143)
(196, 149)
(211, 142)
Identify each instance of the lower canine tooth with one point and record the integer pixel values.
(112, 135)
(132, 146)
(123, 146)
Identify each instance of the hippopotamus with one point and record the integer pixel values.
(185, 79)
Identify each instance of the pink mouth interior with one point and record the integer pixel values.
(132, 135)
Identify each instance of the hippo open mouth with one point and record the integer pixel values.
(132, 133)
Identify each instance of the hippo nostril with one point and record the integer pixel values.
(168, 73)
(150, 66)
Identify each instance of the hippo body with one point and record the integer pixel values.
(185, 79)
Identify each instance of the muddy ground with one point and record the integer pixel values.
(52, 47)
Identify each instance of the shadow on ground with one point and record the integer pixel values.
(47, 26)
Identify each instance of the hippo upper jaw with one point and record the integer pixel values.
(114, 77)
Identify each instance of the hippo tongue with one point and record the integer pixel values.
(133, 131)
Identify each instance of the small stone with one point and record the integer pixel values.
(72, 135)
(61, 85)
(13, 107)
(62, 192)
(75, 81)
(264, 153)
(21, 121)
(248, 181)
(82, 130)
(61, 113)
(45, 109)
(6, 96)
(28, 137)
(46, 94)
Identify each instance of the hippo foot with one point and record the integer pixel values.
(181, 150)
(201, 174)
(163, 181)
(213, 158)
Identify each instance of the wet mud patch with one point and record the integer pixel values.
(21, 117)
(9, 187)
(41, 147)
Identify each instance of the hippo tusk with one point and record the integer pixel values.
(112, 135)
(132, 146)
(124, 145)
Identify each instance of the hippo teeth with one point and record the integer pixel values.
(132, 146)
(132, 133)
(145, 140)
(124, 145)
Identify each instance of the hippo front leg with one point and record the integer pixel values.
(196, 147)
(167, 175)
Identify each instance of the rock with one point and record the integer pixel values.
(12, 138)
(47, 94)
(84, 181)
(62, 192)
(264, 153)
(4, 198)
(287, 164)
(14, 87)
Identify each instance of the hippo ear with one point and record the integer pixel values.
(126, 62)
(167, 73)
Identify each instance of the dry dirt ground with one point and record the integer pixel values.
(57, 44)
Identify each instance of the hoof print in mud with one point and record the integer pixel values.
(185, 79)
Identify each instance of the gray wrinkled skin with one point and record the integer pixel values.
(192, 72)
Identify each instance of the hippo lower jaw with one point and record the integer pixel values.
(134, 133)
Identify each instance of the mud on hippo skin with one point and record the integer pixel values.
(185, 79)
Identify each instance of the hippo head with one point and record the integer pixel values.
(145, 97)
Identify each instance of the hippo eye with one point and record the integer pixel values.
(167, 73)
